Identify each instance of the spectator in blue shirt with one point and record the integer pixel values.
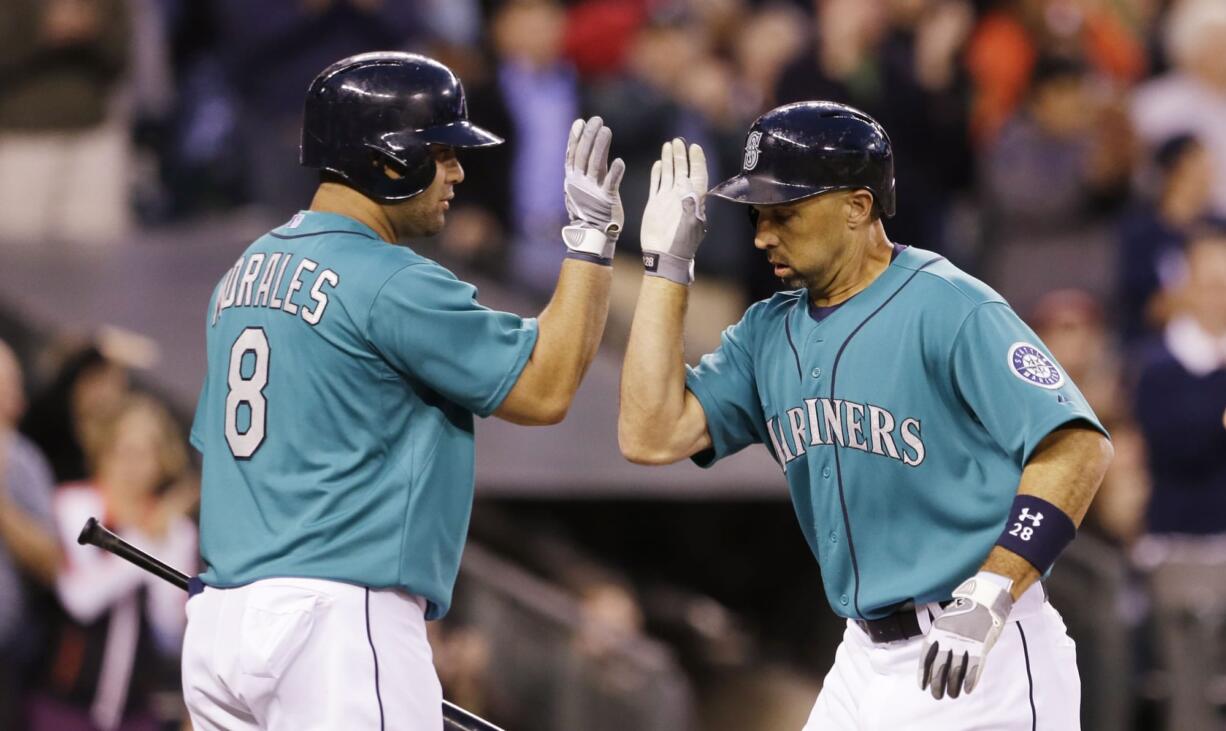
(29, 550)
(1153, 235)
(1180, 399)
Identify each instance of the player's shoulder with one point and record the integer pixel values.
(776, 307)
(385, 261)
(778, 304)
(309, 228)
(763, 316)
(346, 245)
(941, 281)
(409, 270)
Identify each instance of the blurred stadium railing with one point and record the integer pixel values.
(1090, 589)
(533, 629)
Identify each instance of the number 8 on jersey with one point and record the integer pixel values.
(247, 390)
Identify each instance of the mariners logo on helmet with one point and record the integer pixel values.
(1032, 366)
(751, 150)
(804, 149)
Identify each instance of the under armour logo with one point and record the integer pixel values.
(751, 151)
(1036, 518)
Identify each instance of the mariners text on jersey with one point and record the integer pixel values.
(824, 422)
(256, 280)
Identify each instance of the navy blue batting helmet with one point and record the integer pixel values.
(800, 150)
(385, 109)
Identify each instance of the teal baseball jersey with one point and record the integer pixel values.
(336, 416)
(902, 421)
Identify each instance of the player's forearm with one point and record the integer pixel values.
(1065, 470)
(574, 320)
(570, 329)
(653, 375)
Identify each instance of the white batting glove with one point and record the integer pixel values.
(675, 219)
(591, 185)
(957, 646)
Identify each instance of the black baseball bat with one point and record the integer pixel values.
(94, 534)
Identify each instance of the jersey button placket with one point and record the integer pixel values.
(826, 472)
(817, 372)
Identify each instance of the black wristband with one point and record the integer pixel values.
(1037, 531)
(604, 261)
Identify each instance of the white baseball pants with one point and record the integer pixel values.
(308, 654)
(1029, 683)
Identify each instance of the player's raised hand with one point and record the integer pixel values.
(675, 218)
(593, 198)
(957, 646)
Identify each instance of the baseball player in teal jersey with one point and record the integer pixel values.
(336, 416)
(937, 456)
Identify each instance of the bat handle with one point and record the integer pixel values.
(93, 533)
(88, 532)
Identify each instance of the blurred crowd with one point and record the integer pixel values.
(91, 641)
(1070, 152)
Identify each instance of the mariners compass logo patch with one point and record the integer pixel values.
(1032, 366)
(751, 151)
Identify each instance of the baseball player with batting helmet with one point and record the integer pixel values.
(336, 416)
(937, 456)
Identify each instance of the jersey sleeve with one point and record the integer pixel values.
(428, 325)
(1012, 383)
(723, 382)
(196, 436)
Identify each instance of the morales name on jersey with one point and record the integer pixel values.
(822, 422)
(255, 281)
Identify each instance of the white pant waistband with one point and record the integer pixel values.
(324, 586)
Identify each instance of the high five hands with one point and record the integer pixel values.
(593, 198)
(675, 219)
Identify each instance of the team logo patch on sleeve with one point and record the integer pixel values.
(1032, 366)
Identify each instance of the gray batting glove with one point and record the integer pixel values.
(675, 219)
(592, 196)
(957, 646)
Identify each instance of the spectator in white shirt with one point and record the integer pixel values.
(123, 627)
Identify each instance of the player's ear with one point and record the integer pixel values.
(859, 207)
